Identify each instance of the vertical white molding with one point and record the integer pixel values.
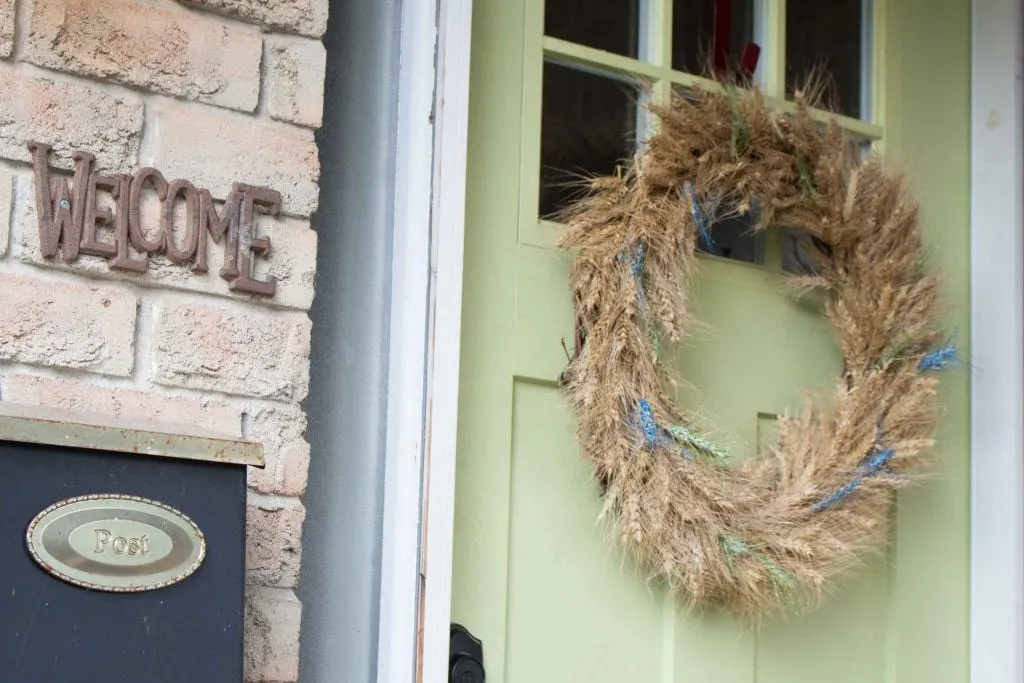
(407, 353)
(997, 345)
(452, 128)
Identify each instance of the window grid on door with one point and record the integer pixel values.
(652, 68)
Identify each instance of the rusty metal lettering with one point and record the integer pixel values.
(70, 218)
(270, 201)
(188, 249)
(122, 260)
(219, 226)
(96, 215)
(139, 239)
(83, 171)
(59, 210)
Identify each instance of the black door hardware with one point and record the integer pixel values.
(465, 657)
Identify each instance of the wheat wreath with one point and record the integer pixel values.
(768, 534)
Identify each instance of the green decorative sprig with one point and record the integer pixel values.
(699, 442)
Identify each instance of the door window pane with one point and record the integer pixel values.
(799, 253)
(832, 38)
(610, 25)
(733, 237)
(693, 28)
(588, 127)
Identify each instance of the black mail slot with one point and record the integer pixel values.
(54, 630)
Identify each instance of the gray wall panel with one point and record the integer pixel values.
(340, 582)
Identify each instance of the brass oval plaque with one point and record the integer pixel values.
(116, 543)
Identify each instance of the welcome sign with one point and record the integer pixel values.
(70, 220)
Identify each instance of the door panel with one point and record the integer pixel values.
(535, 574)
(565, 624)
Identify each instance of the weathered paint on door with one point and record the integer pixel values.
(534, 575)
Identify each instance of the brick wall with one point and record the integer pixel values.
(214, 92)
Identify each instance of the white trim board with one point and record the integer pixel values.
(407, 353)
(448, 223)
(426, 327)
(997, 345)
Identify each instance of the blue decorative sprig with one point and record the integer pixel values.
(877, 462)
(639, 256)
(700, 219)
(682, 438)
(636, 255)
(654, 434)
(939, 359)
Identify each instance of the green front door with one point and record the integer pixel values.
(535, 576)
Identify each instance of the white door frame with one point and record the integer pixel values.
(424, 351)
(997, 348)
(997, 345)
(455, 19)
(408, 347)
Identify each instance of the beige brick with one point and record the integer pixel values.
(295, 79)
(78, 396)
(68, 116)
(292, 258)
(66, 325)
(236, 352)
(308, 17)
(272, 620)
(166, 50)
(280, 429)
(273, 541)
(236, 148)
(286, 472)
(8, 22)
(6, 198)
(292, 261)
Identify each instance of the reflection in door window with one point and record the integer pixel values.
(833, 38)
(799, 253)
(588, 127)
(610, 25)
(734, 238)
(693, 27)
